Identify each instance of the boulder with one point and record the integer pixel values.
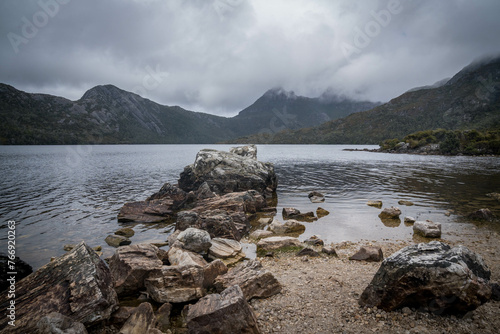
(22, 268)
(227, 312)
(130, 265)
(320, 212)
(249, 201)
(390, 213)
(174, 196)
(430, 277)
(316, 197)
(274, 243)
(427, 229)
(175, 284)
(292, 213)
(195, 240)
(163, 317)
(55, 323)
(78, 285)
(227, 172)
(369, 254)
(153, 211)
(126, 232)
(117, 240)
(482, 214)
(252, 278)
(260, 234)
(180, 257)
(212, 271)
(249, 151)
(140, 321)
(228, 250)
(376, 204)
(218, 223)
(289, 226)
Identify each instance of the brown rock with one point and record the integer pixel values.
(227, 312)
(121, 315)
(176, 284)
(126, 232)
(289, 226)
(308, 252)
(154, 211)
(328, 250)
(369, 254)
(57, 323)
(181, 257)
(292, 213)
(390, 213)
(252, 278)
(482, 214)
(259, 234)
(130, 265)
(117, 241)
(77, 284)
(274, 243)
(212, 271)
(320, 212)
(376, 204)
(427, 229)
(140, 321)
(163, 317)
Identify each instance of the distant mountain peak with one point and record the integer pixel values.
(279, 91)
(102, 90)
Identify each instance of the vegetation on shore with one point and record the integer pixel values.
(447, 142)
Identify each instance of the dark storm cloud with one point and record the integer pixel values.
(220, 55)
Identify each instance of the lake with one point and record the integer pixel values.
(64, 194)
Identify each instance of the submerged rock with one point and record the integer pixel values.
(292, 213)
(126, 232)
(320, 212)
(430, 277)
(482, 214)
(316, 197)
(376, 204)
(117, 240)
(57, 323)
(405, 202)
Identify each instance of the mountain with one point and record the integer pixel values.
(469, 100)
(108, 115)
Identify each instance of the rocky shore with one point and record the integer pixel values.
(204, 282)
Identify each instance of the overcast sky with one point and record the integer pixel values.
(219, 56)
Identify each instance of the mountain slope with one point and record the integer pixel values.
(469, 100)
(108, 115)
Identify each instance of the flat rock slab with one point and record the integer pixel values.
(427, 229)
(227, 312)
(154, 211)
(78, 285)
(430, 277)
(229, 251)
(274, 243)
(253, 279)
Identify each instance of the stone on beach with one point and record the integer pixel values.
(252, 278)
(369, 254)
(57, 323)
(130, 265)
(273, 243)
(289, 226)
(227, 312)
(427, 229)
(430, 277)
(78, 284)
(409, 220)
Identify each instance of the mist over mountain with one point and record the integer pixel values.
(109, 115)
(469, 100)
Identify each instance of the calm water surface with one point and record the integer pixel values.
(65, 194)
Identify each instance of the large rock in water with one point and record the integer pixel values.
(430, 277)
(77, 285)
(227, 312)
(227, 172)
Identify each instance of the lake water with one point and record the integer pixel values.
(64, 194)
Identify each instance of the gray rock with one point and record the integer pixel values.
(56, 323)
(274, 243)
(482, 214)
(260, 234)
(140, 321)
(289, 226)
(252, 278)
(195, 240)
(130, 265)
(308, 252)
(249, 151)
(369, 254)
(229, 251)
(176, 284)
(117, 241)
(125, 232)
(427, 229)
(227, 312)
(431, 277)
(316, 197)
(390, 213)
(77, 284)
(182, 257)
(227, 172)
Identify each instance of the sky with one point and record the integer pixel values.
(219, 56)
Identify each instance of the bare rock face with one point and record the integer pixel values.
(431, 277)
(227, 172)
(176, 284)
(369, 254)
(78, 285)
(252, 278)
(427, 229)
(130, 265)
(227, 312)
(274, 243)
(140, 321)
